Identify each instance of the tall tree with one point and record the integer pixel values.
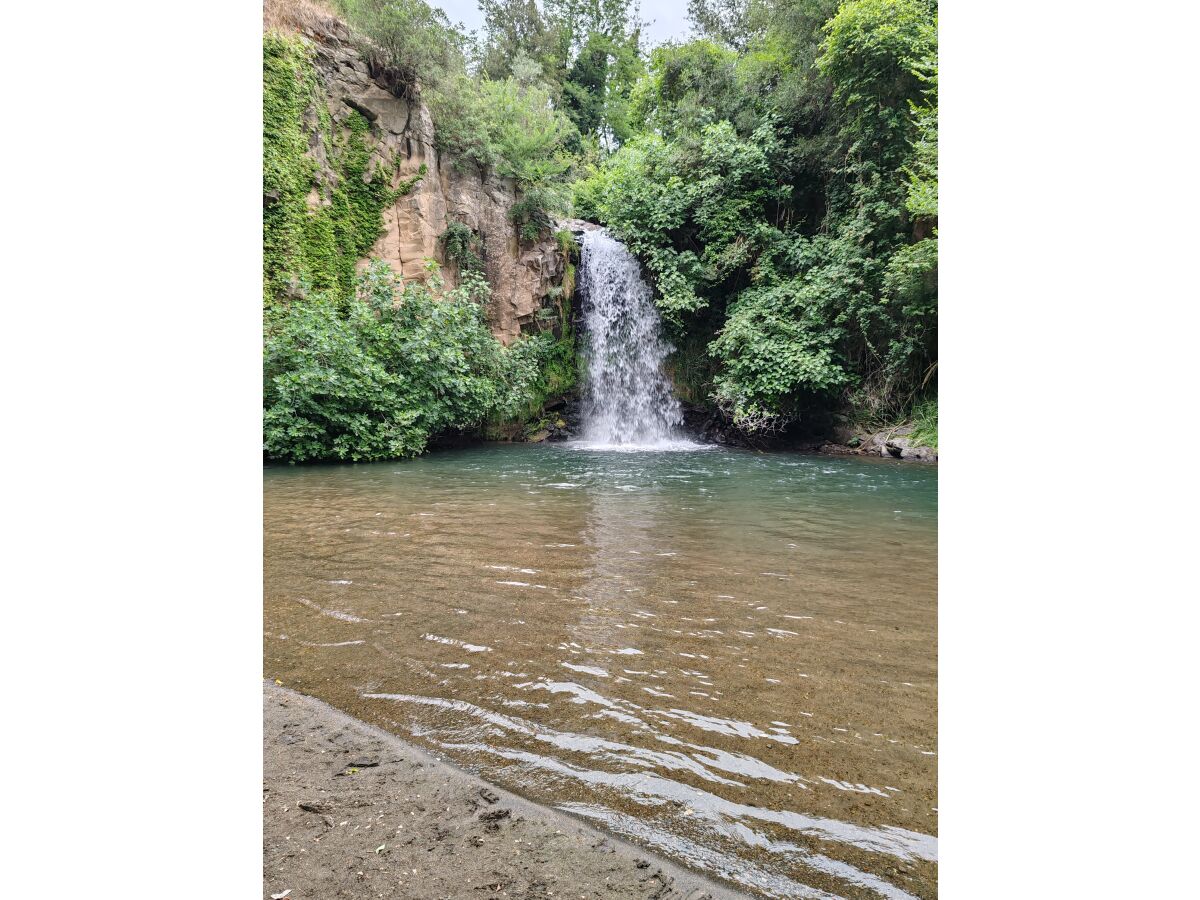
(727, 22)
(602, 41)
(516, 30)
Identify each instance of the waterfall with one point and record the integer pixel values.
(627, 399)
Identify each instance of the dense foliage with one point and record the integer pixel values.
(376, 378)
(586, 52)
(780, 185)
(776, 175)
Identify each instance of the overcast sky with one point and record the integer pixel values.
(667, 18)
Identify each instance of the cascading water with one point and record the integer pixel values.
(627, 399)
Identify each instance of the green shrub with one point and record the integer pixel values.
(541, 368)
(874, 53)
(407, 39)
(569, 248)
(530, 216)
(775, 350)
(399, 365)
(462, 247)
(512, 129)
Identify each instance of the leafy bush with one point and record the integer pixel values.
(689, 86)
(408, 40)
(922, 198)
(403, 363)
(783, 198)
(874, 53)
(777, 349)
(512, 129)
(667, 199)
(531, 214)
(462, 247)
(569, 248)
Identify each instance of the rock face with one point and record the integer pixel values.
(521, 274)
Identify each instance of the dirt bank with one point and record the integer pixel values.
(351, 811)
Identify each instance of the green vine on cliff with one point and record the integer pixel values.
(289, 85)
(316, 225)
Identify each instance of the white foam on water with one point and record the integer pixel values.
(855, 788)
(590, 670)
(451, 642)
(672, 446)
(332, 613)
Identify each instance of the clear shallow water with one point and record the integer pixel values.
(730, 657)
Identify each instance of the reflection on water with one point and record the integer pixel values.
(729, 657)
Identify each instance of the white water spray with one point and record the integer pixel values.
(627, 400)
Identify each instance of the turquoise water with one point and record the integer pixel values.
(725, 655)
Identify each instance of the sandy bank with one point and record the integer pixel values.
(352, 811)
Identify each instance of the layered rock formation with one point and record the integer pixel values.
(521, 275)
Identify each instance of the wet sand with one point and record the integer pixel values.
(351, 811)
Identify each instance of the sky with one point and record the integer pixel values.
(667, 18)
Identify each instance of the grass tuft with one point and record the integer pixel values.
(297, 16)
(925, 423)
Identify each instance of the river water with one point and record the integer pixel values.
(727, 656)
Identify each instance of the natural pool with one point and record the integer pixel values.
(727, 656)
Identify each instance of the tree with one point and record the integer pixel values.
(728, 22)
(516, 31)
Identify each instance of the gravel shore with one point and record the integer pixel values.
(350, 811)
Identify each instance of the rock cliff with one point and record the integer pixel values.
(522, 275)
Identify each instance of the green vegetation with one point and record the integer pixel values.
(550, 369)
(569, 248)
(587, 53)
(314, 248)
(397, 365)
(925, 427)
(366, 367)
(550, 86)
(776, 176)
(462, 248)
(407, 41)
(780, 186)
(509, 128)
